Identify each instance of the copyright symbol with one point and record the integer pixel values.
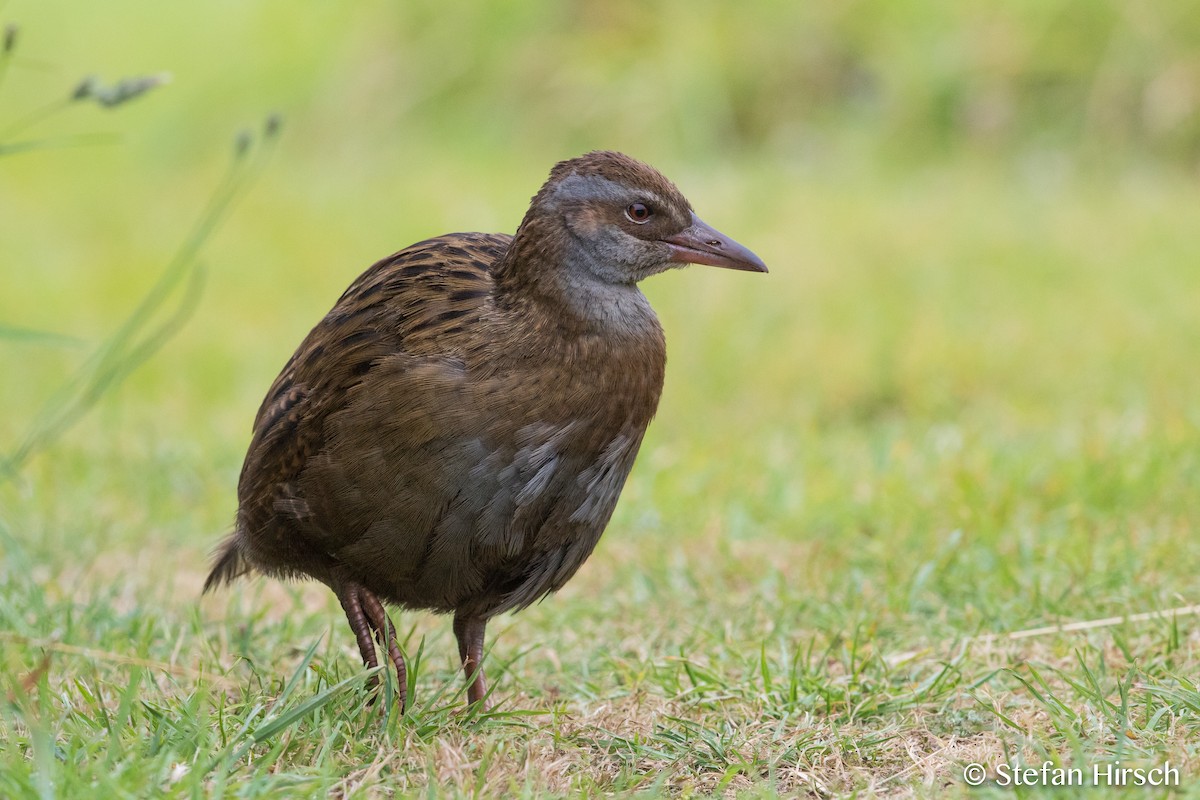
(974, 774)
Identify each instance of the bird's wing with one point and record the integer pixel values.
(391, 337)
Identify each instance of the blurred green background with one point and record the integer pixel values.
(976, 215)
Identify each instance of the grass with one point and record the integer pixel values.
(961, 406)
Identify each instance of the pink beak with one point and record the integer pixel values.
(702, 244)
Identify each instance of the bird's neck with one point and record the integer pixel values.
(546, 267)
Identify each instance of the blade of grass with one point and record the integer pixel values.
(132, 344)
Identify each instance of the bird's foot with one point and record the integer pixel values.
(367, 616)
(469, 632)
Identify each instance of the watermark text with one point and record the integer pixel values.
(1048, 773)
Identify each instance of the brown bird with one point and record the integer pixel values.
(454, 434)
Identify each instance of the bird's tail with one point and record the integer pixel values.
(230, 564)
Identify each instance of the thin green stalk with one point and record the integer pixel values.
(134, 342)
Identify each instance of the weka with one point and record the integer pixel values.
(454, 434)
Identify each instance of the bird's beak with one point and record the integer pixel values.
(700, 243)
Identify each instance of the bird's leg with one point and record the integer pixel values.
(367, 615)
(385, 632)
(350, 596)
(469, 632)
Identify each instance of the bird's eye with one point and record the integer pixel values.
(639, 213)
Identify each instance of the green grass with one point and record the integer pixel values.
(962, 405)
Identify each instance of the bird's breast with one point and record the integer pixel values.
(545, 475)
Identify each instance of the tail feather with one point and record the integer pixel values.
(229, 566)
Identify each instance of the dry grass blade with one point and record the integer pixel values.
(117, 658)
(30, 680)
(1046, 630)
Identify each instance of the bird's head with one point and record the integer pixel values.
(621, 221)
